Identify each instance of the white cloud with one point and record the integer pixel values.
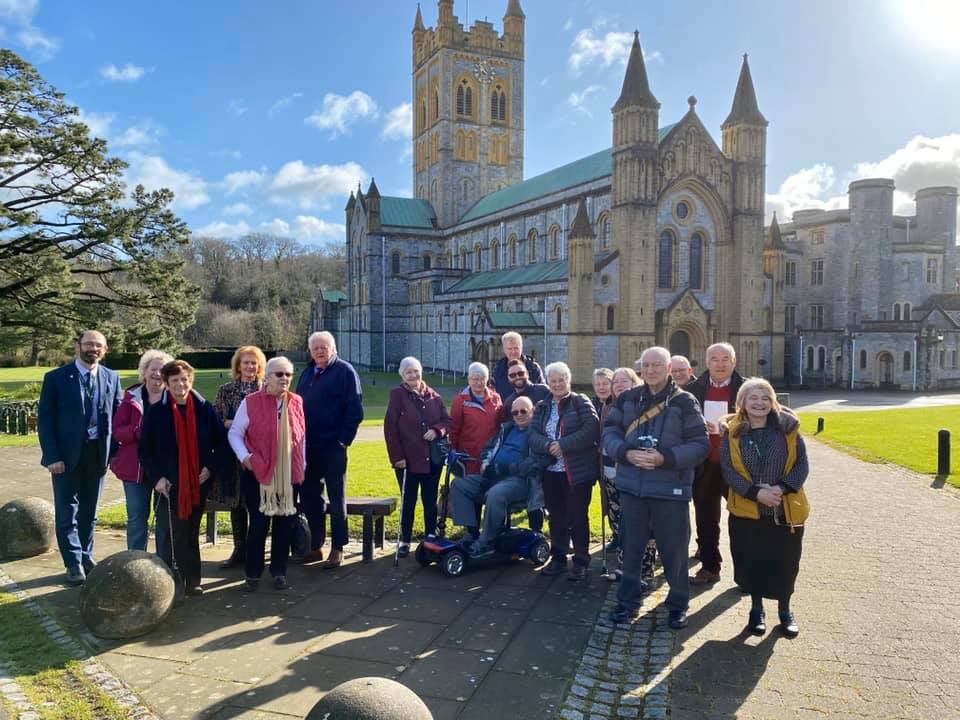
(309, 186)
(153, 172)
(238, 209)
(306, 228)
(223, 230)
(921, 162)
(144, 133)
(614, 47)
(20, 13)
(399, 123)
(99, 123)
(241, 179)
(340, 112)
(283, 103)
(579, 101)
(127, 73)
(236, 107)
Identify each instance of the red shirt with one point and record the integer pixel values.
(719, 394)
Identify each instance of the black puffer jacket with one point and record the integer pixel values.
(579, 434)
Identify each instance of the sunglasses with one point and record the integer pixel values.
(283, 374)
(517, 413)
(516, 375)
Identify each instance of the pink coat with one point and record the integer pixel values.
(126, 433)
(261, 436)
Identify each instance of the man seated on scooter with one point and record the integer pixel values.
(510, 475)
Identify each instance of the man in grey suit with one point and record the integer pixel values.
(75, 422)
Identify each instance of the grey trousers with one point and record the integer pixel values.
(670, 522)
(468, 491)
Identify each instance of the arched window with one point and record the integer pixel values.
(513, 250)
(503, 107)
(821, 357)
(896, 311)
(427, 261)
(463, 258)
(456, 322)
(863, 359)
(498, 104)
(610, 317)
(461, 96)
(423, 115)
(532, 239)
(604, 231)
(434, 187)
(436, 105)
(477, 258)
(696, 261)
(468, 102)
(559, 314)
(554, 242)
(809, 358)
(449, 262)
(665, 261)
(906, 311)
(495, 255)
(395, 263)
(907, 361)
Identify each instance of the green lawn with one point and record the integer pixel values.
(903, 437)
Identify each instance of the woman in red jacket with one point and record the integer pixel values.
(416, 416)
(474, 413)
(126, 432)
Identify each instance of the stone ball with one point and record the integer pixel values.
(370, 698)
(26, 528)
(127, 595)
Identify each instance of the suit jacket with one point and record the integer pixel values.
(60, 420)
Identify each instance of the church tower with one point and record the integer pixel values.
(745, 143)
(634, 191)
(467, 109)
(580, 294)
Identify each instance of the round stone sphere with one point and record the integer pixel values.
(26, 528)
(127, 595)
(370, 698)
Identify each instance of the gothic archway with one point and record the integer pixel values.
(885, 368)
(680, 343)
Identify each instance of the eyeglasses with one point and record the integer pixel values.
(516, 375)
(283, 375)
(518, 413)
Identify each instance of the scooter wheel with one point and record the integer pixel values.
(421, 556)
(540, 552)
(453, 563)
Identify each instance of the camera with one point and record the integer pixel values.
(644, 442)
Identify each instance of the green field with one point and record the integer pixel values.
(904, 437)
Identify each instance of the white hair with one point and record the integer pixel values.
(560, 368)
(511, 336)
(656, 349)
(408, 362)
(322, 335)
(722, 346)
(276, 363)
(679, 361)
(148, 357)
(478, 368)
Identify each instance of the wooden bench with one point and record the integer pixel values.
(373, 510)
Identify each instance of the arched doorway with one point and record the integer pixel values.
(680, 343)
(885, 366)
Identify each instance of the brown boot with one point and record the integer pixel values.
(334, 559)
(313, 556)
(704, 577)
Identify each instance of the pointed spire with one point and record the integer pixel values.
(418, 22)
(636, 88)
(581, 227)
(373, 191)
(745, 108)
(351, 202)
(774, 238)
(514, 10)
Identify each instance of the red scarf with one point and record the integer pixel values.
(188, 460)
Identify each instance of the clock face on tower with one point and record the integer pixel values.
(482, 71)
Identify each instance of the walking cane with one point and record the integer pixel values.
(403, 493)
(180, 585)
(603, 523)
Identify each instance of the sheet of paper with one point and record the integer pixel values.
(713, 410)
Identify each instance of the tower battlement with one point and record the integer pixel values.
(481, 37)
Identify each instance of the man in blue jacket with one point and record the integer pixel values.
(333, 410)
(657, 435)
(75, 422)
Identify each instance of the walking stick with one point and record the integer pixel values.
(180, 585)
(403, 493)
(603, 523)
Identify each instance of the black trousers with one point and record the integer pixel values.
(326, 467)
(428, 484)
(708, 489)
(186, 535)
(280, 528)
(569, 508)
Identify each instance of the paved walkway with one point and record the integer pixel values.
(878, 601)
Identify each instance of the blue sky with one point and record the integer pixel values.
(262, 117)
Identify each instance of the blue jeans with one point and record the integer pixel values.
(75, 496)
(138, 513)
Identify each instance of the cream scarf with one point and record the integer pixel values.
(277, 497)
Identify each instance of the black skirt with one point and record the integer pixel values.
(766, 556)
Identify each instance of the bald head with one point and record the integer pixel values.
(522, 411)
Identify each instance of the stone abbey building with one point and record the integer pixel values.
(656, 240)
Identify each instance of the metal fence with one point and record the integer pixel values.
(18, 417)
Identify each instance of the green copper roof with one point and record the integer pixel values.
(406, 212)
(581, 171)
(333, 296)
(521, 275)
(513, 320)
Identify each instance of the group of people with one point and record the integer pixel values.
(259, 449)
(654, 436)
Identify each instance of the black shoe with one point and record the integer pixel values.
(236, 558)
(554, 567)
(788, 625)
(280, 582)
(89, 565)
(756, 623)
(404, 550)
(678, 619)
(622, 614)
(194, 590)
(75, 575)
(250, 584)
(577, 573)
